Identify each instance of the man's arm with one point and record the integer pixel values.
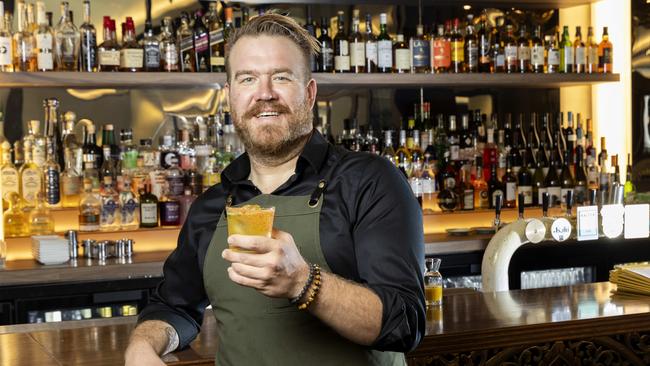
(150, 340)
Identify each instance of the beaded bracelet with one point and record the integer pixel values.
(314, 289)
(310, 279)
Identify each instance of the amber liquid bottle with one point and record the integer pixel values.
(605, 54)
(457, 49)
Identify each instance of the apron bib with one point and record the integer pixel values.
(254, 329)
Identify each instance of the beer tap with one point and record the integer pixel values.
(498, 202)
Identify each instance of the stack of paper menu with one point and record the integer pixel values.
(632, 280)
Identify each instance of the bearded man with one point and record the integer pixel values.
(339, 282)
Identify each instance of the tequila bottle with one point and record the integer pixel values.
(6, 54)
(15, 220)
(129, 207)
(23, 42)
(8, 172)
(89, 208)
(44, 40)
(109, 218)
(31, 179)
(41, 221)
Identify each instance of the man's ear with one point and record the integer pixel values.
(312, 90)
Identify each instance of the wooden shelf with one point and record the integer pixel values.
(528, 4)
(325, 80)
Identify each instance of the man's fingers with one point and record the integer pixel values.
(257, 273)
(251, 259)
(244, 281)
(258, 244)
(282, 236)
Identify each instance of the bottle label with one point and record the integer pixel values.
(170, 211)
(561, 229)
(52, 187)
(9, 182)
(342, 63)
(606, 58)
(555, 195)
(537, 55)
(592, 56)
(169, 53)
(31, 184)
(501, 60)
(175, 185)
(454, 151)
(109, 57)
(523, 53)
(88, 50)
(5, 51)
(554, 57)
(371, 52)
(131, 58)
(149, 213)
(130, 159)
(128, 211)
(167, 159)
(457, 51)
(402, 59)
(468, 199)
(511, 55)
(152, 56)
(421, 53)
(44, 58)
(385, 54)
(201, 43)
(568, 55)
(109, 207)
(71, 185)
(587, 222)
(581, 57)
(572, 137)
(441, 53)
(472, 55)
(327, 58)
(358, 54)
(528, 194)
(39, 154)
(511, 191)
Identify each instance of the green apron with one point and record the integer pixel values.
(254, 329)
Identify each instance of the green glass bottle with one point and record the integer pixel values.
(566, 52)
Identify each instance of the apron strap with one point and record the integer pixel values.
(322, 184)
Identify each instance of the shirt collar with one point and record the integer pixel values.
(313, 155)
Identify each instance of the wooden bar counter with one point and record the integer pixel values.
(567, 325)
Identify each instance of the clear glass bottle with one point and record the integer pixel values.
(175, 178)
(128, 151)
(6, 54)
(109, 218)
(129, 207)
(67, 42)
(88, 42)
(16, 223)
(433, 282)
(168, 47)
(8, 173)
(52, 180)
(71, 184)
(41, 221)
(90, 207)
(23, 42)
(44, 40)
(151, 46)
(370, 47)
(31, 179)
(132, 53)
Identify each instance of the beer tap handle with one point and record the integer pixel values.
(545, 202)
(520, 204)
(593, 193)
(569, 202)
(498, 202)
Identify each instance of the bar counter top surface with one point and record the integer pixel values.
(467, 321)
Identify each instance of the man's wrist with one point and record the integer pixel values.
(302, 277)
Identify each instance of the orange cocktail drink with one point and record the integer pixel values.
(250, 220)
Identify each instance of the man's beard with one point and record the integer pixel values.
(274, 143)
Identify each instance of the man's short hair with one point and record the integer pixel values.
(272, 24)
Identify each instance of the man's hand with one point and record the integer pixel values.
(276, 268)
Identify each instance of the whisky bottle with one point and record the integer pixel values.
(71, 184)
(151, 45)
(471, 47)
(567, 57)
(485, 52)
(510, 181)
(89, 209)
(457, 43)
(467, 190)
(6, 47)
(523, 51)
(537, 52)
(41, 221)
(131, 54)
(454, 139)
(23, 42)
(384, 46)
(495, 187)
(185, 44)
(370, 47)
(170, 210)
(510, 50)
(580, 52)
(481, 196)
(108, 52)
(605, 54)
(341, 47)
(401, 56)
(592, 52)
(201, 38)
(498, 52)
(169, 49)
(441, 52)
(217, 55)
(553, 54)
(67, 42)
(420, 51)
(357, 47)
(326, 56)
(16, 223)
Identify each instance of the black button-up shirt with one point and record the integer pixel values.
(370, 232)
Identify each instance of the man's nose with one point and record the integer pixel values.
(265, 90)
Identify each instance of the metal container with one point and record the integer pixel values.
(102, 250)
(128, 248)
(73, 244)
(88, 246)
(119, 248)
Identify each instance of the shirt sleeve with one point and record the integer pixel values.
(389, 247)
(180, 299)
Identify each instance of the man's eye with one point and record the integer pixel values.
(246, 80)
(282, 78)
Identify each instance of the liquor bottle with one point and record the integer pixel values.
(481, 196)
(401, 56)
(52, 179)
(537, 52)
(454, 139)
(129, 207)
(510, 182)
(23, 42)
(571, 139)
(108, 139)
(538, 179)
(88, 41)
(16, 223)
(108, 52)
(70, 185)
(441, 52)
(552, 182)
(580, 190)
(495, 187)
(384, 46)
(186, 45)
(490, 154)
(170, 210)
(567, 58)
(467, 190)
(41, 221)
(52, 134)
(151, 46)
(605, 54)
(31, 23)
(91, 152)
(217, 44)
(8, 173)
(185, 149)
(420, 51)
(616, 176)
(357, 47)
(228, 28)
(433, 282)
(498, 51)
(31, 178)
(341, 47)
(128, 151)
(629, 188)
(326, 56)
(523, 51)
(169, 49)
(389, 152)
(510, 50)
(592, 52)
(484, 49)
(580, 52)
(566, 178)
(403, 155)
(201, 45)
(109, 218)
(447, 197)
(466, 142)
(174, 177)
(471, 47)
(185, 201)
(131, 54)
(6, 48)
(38, 143)
(554, 55)
(457, 43)
(525, 181)
(370, 47)
(67, 42)
(309, 26)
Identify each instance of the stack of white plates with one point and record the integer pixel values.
(50, 249)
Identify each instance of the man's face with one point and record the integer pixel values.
(270, 100)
